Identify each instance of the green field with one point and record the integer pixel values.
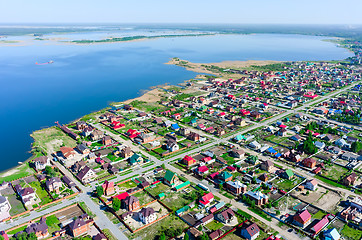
(16, 173)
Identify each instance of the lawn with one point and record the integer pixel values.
(168, 225)
(351, 233)
(16, 173)
(230, 160)
(160, 188)
(214, 225)
(319, 215)
(16, 230)
(143, 197)
(42, 194)
(177, 200)
(335, 172)
(128, 184)
(53, 223)
(286, 184)
(17, 206)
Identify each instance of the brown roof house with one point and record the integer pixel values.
(250, 231)
(80, 225)
(27, 195)
(39, 228)
(267, 165)
(106, 140)
(86, 174)
(350, 179)
(126, 152)
(96, 135)
(147, 215)
(226, 216)
(237, 153)
(130, 203)
(54, 184)
(41, 162)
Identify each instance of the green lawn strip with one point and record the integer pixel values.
(109, 234)
(214, 225)
(330, 182)
(319, 215)
(351, 233)
(260, 213)
(86, 209)
(16, 230)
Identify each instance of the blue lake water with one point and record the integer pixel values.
(85, 78)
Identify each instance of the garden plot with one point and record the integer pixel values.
(334, 172)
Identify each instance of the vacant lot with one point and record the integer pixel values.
(143, 197)
(335, 172)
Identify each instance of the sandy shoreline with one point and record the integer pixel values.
(200, 67)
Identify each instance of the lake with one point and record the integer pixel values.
(86, 78)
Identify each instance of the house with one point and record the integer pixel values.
(226, 216)
(225, 176)
(170, 178)
(135, 159)
(176, 116)
(147, 215)
(205, 220)
(254, 145)
(69, 182)
(39, 228)
(206, 199)
(282, 132)
(82, 148)
(334, 149)
(80, 225)
(237, 153)
(4, 235)
(258, 197)
(188, 161)
(27, 195)
(250, 231)
(202, 170)
(320, 225)
(185, 131)
(96, 135)
(99, 236)
(349, 156)
(302, 218)
(81, 125)
(267, 165)
(207, 160)
(76, 167)
(216, 234)
(41, 162)
(287, 174)
(195, 232)
(130, 203)
(309, 162)
(172, 145)
(210, 130)
(342, 143)
(350, 179)
(54, 184)
(311, 184)
(194, 136)
(175, 126)
(236, 187)
(87, 131)
(108, 188)
(67, 152)
(296, 138)
(319, 145)
(201, 126)
(263, 177)
(126, 152)
(331, 234)
(86, 174)
(4, 208)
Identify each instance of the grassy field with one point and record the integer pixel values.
(16, 173)
(214, 225)
(351, 233)
(42, 194)
(335, 172)
(50, 139)
(168, 223)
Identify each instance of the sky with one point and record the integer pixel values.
(184, 11)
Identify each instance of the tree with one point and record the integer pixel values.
(277, 212)
(162, 236)
(356, 147)
(186, 237)
(49, 171)
(116, 204)
(220, 186)
(203, 237)
(100, 191)
(163, 166)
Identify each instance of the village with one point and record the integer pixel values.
(273, 153)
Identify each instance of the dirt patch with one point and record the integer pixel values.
(329, 201)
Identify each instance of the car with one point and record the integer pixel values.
(290, 230)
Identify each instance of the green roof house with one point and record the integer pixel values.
(239, 138)
(135, 158)
(182, 186)
(287, 174)
(170, 178)
(225, 176)
(161, 196)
